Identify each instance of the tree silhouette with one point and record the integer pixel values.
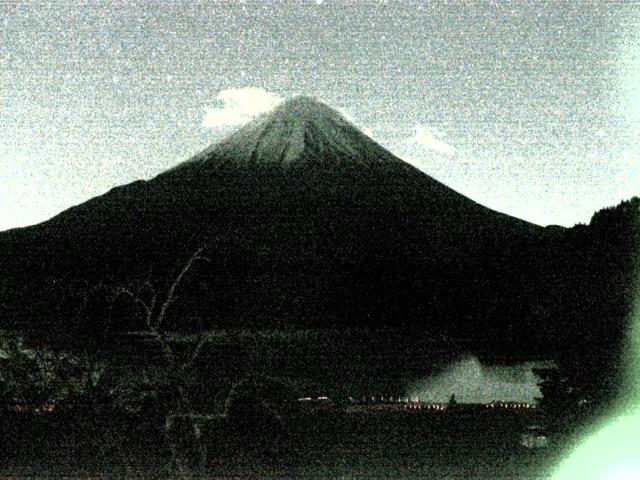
(150, 300)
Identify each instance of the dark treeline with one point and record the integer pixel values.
(595, 268)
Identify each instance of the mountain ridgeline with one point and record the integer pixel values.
(308, 223)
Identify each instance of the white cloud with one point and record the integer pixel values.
(429, 139)
(238, 106)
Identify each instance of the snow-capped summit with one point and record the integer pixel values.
(300, 130)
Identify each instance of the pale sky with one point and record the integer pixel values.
(531, 108)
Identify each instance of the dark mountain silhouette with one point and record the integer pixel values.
(307, 223)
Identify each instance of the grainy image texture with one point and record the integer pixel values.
(319, 240)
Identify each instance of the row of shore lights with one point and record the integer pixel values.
(416, 403)
(381, 399)
(44, 408)
(510, 405)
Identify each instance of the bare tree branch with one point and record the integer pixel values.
(146, 295)
(172, 289)
(198, 348)
(135, 297)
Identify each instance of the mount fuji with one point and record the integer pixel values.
(307, 222)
